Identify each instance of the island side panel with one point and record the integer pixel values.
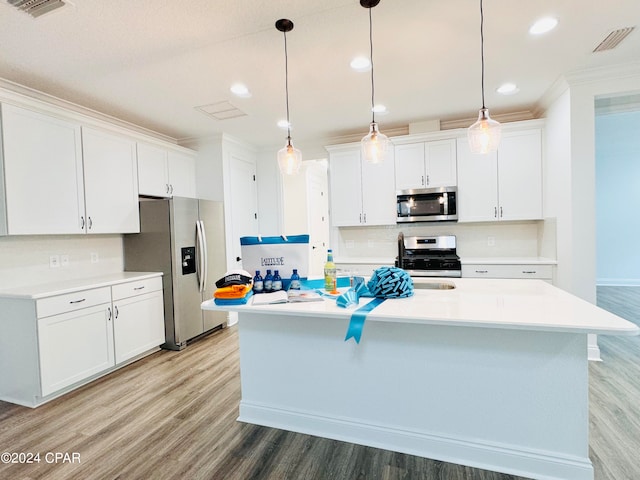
(508, 400)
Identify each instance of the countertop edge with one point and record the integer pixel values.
(44, 290)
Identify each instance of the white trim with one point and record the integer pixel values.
(20, 95)
(618, 282)
(497, 457)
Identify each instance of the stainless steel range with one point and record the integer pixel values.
(429, 256)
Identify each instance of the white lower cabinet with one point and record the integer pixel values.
(57, 342)
(74, 346)
(138, 318)
(536, 271)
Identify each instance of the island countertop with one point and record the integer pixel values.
(487, 303)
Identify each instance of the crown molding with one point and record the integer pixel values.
(596, 74)
(26, 96)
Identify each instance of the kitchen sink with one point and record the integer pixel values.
(435, 285)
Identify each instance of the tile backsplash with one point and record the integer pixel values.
(26, 260)
(507, 239)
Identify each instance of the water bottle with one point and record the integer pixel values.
(277, 281)
(295, 280)
(258, 283)
(330, 273)
(268, 282)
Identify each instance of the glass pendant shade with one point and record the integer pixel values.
(484, 135)
(289, 160)
(375, 145)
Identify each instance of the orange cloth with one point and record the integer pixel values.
(232, 291)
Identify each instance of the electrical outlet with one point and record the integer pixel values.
(64, 260)
(94, 257)
(491, 241)
(54, 261)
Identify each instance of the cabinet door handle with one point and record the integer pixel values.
(422, 180)
(82, 222)
(116, 310)
(171, 187)
(167, 188)
(90, 222)
(78, 301)
(482, 271)
(360, 218)
(529, 271)
(109, 314)
(365, 218)
(427, 179)
(500, 212)
(495, 212)
(138, 288)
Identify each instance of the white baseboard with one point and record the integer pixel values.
(464, 451)
(618, 282)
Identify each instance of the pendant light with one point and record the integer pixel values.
(373, 146)
(484, 135)
(289, 158)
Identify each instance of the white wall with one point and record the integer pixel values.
(557, 182)
(618, 198)
(209, 178)
(24, 260)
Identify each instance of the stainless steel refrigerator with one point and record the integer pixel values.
(184, 239)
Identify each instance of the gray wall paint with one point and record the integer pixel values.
(618, 198)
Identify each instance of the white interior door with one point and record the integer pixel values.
(243, 199)
(318, 215)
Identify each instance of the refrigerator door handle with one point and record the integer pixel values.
(204, 256)
(200, 256)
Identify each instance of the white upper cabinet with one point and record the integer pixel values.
(182, 174)
(361, 193)
(111, 182)
(153, 171)
(426, 164)
(520, 175)
(42, 190)
(506, 185)
(165, 173)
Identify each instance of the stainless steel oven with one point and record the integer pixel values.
(429, 256)
(427, 205)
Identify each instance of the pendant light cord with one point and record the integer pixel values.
(482, 49)
(373, 113)
(286, 86)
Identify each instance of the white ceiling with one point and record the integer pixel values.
(150, 62)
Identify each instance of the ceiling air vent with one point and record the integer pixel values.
(613, 39)
(221, 110)
(36, 8)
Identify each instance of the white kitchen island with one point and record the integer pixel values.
(492, 374)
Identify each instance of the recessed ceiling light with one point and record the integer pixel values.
(507, 89)
(361, 64)
(240, 90)
(380, 109)
(283, 124)
(543, 25)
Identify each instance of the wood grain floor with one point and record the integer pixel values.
(172, 416)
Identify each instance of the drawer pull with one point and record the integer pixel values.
(529, 271)
(78, 301)
(139, 288)
(482, 271)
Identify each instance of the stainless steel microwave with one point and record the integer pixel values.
(427, 205)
